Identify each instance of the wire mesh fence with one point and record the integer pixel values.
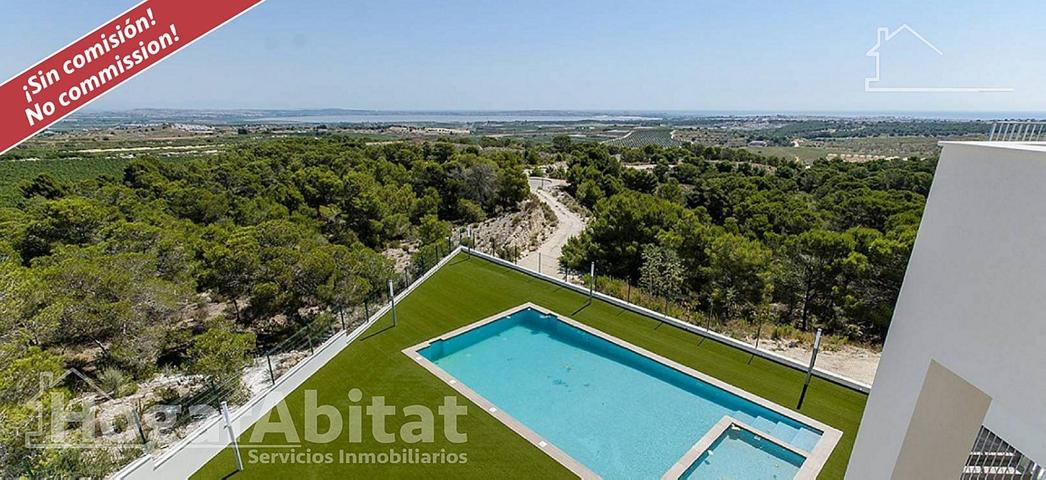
(175, 411)
(753, 328)
(177, 403)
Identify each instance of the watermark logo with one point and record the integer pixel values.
(62, 421)
(356, 431)
(876, 83)
(418, 423)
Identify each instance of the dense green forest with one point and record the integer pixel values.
(114, 274)
(737, 236)
(108, 274)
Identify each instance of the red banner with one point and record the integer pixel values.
(99, 61)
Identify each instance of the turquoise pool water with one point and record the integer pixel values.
(739, 454)
(621, 414)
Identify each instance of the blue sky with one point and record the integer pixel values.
(579, 54)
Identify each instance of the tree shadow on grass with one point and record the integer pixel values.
(376, 332)
(459, 259)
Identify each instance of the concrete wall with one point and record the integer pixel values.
(974, 301)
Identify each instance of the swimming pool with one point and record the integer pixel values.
(599, 405)
(741, 454)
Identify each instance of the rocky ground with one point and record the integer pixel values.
(517, 232)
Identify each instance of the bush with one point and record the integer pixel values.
(167, 395)
(221, 353)
(120, 423)
(433, 230)
(470, 211)
(116, 382)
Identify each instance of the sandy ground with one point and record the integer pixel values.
(849, 361)
(569, 225)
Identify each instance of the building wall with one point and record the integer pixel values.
(974, 301)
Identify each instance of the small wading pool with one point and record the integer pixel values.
(739, 453)
(603, 407)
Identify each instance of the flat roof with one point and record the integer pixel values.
(1025, 146)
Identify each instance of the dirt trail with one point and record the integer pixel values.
(850, 361)
(570, 224)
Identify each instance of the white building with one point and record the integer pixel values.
(967, 346)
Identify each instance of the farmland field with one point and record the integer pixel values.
(804, 154)
(644, 137)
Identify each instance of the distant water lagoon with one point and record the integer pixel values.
(457, 117)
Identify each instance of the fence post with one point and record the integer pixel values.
(366, 309)
(758, 333)
(272, 374)
(312, 347)
(592, 282)
(810, 369)
(539, 262)
(628, 291)
(232, 436)
(392, 300)
(138, 425)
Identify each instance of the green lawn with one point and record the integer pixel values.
(468, 289)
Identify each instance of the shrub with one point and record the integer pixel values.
(221, 353)
(470, 211)
(116, 382)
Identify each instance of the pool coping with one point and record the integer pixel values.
(691, 456)
(815, 459)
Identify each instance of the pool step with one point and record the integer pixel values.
(783, 432)
(800, 438)
(744, 418)
(764, 425)
(805, 440)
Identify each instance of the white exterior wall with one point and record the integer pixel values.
(973, 299)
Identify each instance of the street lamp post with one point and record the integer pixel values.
(392, 300)
(810, 369)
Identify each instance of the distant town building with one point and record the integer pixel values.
(192, 128)
(432, 131)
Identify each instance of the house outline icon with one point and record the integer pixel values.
(884, 35)
(46, 382)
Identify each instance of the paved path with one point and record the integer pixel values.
(570, 224)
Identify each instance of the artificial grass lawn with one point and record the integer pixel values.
(468, 289)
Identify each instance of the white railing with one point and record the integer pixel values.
(992, 458)
(1018, 131)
